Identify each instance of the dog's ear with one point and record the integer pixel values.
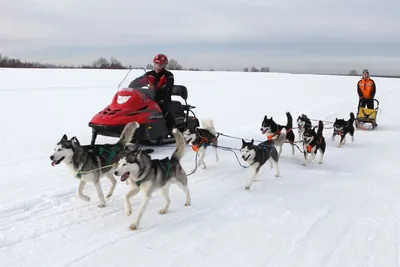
(74, 143)
(252, 142)
(265, 117)
(243, 142)
(64, 138)
(75, 140)
(130, 148)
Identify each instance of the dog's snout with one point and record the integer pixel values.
(51, 157)
(116, 173)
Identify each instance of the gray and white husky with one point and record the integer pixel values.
(202, 137)
(257, 155)
(279, 133)
(147, 175)
(303, 124)
(89, 164)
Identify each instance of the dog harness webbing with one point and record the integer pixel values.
(311, 146)
(108, 161)
(203, 142)
(167, 166)
(278, 132)
(111, 155)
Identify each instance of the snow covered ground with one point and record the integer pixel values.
(342, 213)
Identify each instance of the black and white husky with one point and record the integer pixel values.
(313, 142)
(342, 128)
(147, 175)
(201, 138)
(303, 124)
(273, 131)
(89, 164)
(257, 155)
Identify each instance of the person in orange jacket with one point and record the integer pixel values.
(366, 90)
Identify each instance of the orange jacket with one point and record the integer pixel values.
(366, 88)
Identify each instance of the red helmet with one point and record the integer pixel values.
(160, 61)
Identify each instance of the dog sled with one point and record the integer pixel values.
(366, 118)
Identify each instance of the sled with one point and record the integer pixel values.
(366, 118)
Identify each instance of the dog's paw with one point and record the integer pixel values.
(277, 175)
(187, 204)
(320, 162)
(247, 187)
(163, 211)
(102, 205)
(109, 195)
(133, 226)
(304, 164)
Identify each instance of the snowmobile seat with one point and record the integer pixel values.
(180, 90)
(176, 109)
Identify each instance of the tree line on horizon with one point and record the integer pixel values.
(100, 63)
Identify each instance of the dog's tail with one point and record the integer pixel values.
(208, 124)
(180, 145)
(128, 132)
(289, 124)
(352, 118)
(320, 128)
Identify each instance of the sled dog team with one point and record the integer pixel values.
(136, 167)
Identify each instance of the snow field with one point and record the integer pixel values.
(342, 213)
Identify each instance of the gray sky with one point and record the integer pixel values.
(286, 35)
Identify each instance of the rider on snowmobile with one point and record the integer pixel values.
(162, 81)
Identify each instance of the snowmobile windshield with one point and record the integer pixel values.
(129, 76)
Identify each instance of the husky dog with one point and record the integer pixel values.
(200, 138)
(146, 175)
(303, 124)
(342, 128)
(313, 142)
(273, 131)
(88, 164)
(257, 155)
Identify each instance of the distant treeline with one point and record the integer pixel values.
(101, 63)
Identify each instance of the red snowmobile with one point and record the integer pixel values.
(137, 104)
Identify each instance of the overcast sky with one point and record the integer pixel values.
(286, 35)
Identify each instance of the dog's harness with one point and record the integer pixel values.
(164, 164)
(335, 132)
(263, 146)
(278, 132)
(318, 142)
(100, 152)
(202, 140)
